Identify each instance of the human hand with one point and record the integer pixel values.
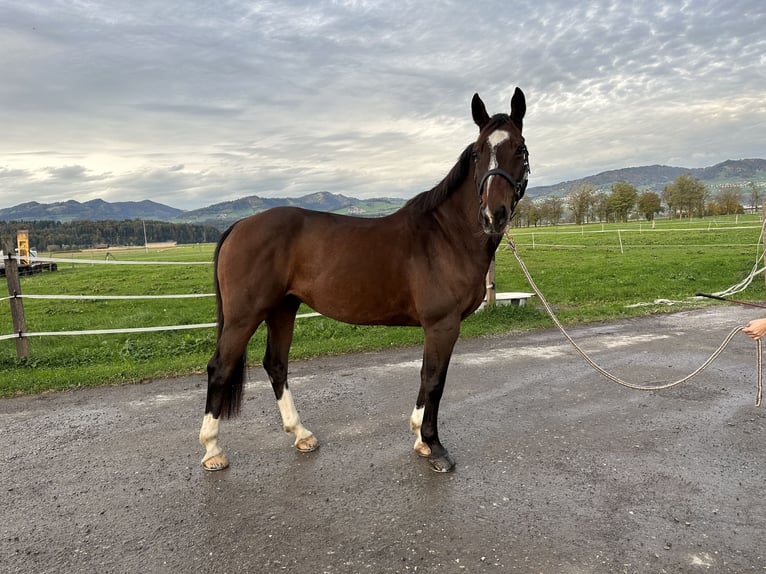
(755, 329)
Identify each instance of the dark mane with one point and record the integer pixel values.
(430, 200)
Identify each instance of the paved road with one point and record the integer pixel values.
(558, 469)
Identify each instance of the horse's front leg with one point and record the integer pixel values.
(440, 340)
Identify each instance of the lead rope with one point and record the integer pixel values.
(619, 381)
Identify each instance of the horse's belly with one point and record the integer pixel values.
(350, 305)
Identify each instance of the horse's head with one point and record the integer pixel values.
(501, 162)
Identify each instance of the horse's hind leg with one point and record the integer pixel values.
(280, 323)
(226, 377)
(215, 458)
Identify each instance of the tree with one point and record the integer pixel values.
(755, 195)
(525, 214)
(580, 200)
(728, 201)
(551, 209)
(55, 235)
(685, 196)
(649, 204)
(622, 199)
(601, 208)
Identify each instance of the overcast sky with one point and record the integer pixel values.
(190, 103)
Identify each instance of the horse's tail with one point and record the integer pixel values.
(231, 397)
(217, 285)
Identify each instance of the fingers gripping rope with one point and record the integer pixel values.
(639, 387)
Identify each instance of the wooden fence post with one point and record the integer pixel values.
(491, 288)
(17, 307)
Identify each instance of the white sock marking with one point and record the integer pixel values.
(291, 422)
(208, 436)
(416, 421)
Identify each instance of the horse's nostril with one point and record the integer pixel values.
(495, 221)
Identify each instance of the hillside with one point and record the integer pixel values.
(94, 210)
(221, 215)
(224, 214)
(656, 177)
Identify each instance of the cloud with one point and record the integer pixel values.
(189, 103)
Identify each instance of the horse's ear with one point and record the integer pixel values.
(479, 111)
(518, 108)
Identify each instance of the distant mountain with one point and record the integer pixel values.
(656, 177)
(94, 210)
(221, 215)
(224, 214)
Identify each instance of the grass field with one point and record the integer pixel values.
(588, 273)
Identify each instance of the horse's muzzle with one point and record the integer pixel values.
(496, 218)
(495, 222)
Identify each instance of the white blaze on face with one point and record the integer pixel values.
(495, 140)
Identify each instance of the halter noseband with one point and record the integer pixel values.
(516, 185)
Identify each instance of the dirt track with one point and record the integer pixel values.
(558, 469)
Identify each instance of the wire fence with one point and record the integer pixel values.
(541, 238)
(113, 261)
(650, 229)
(85, 297)
(533, 241)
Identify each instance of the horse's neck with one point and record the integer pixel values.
(459, 216)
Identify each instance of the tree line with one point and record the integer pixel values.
(686, 197)
(59, 236)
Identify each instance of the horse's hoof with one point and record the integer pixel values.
(217, 462)
(307, 444)
(442, 463)
(422, 449)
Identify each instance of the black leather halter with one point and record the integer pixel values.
(518, 186)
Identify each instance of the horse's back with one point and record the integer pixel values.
(307, 231)
(352, 269)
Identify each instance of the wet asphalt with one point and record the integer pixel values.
(558, 470)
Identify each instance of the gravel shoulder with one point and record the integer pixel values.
(559, 470)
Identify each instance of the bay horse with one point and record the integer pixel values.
(424, 265)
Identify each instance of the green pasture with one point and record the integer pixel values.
(588, 273)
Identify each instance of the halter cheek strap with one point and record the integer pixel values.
(518, 186)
